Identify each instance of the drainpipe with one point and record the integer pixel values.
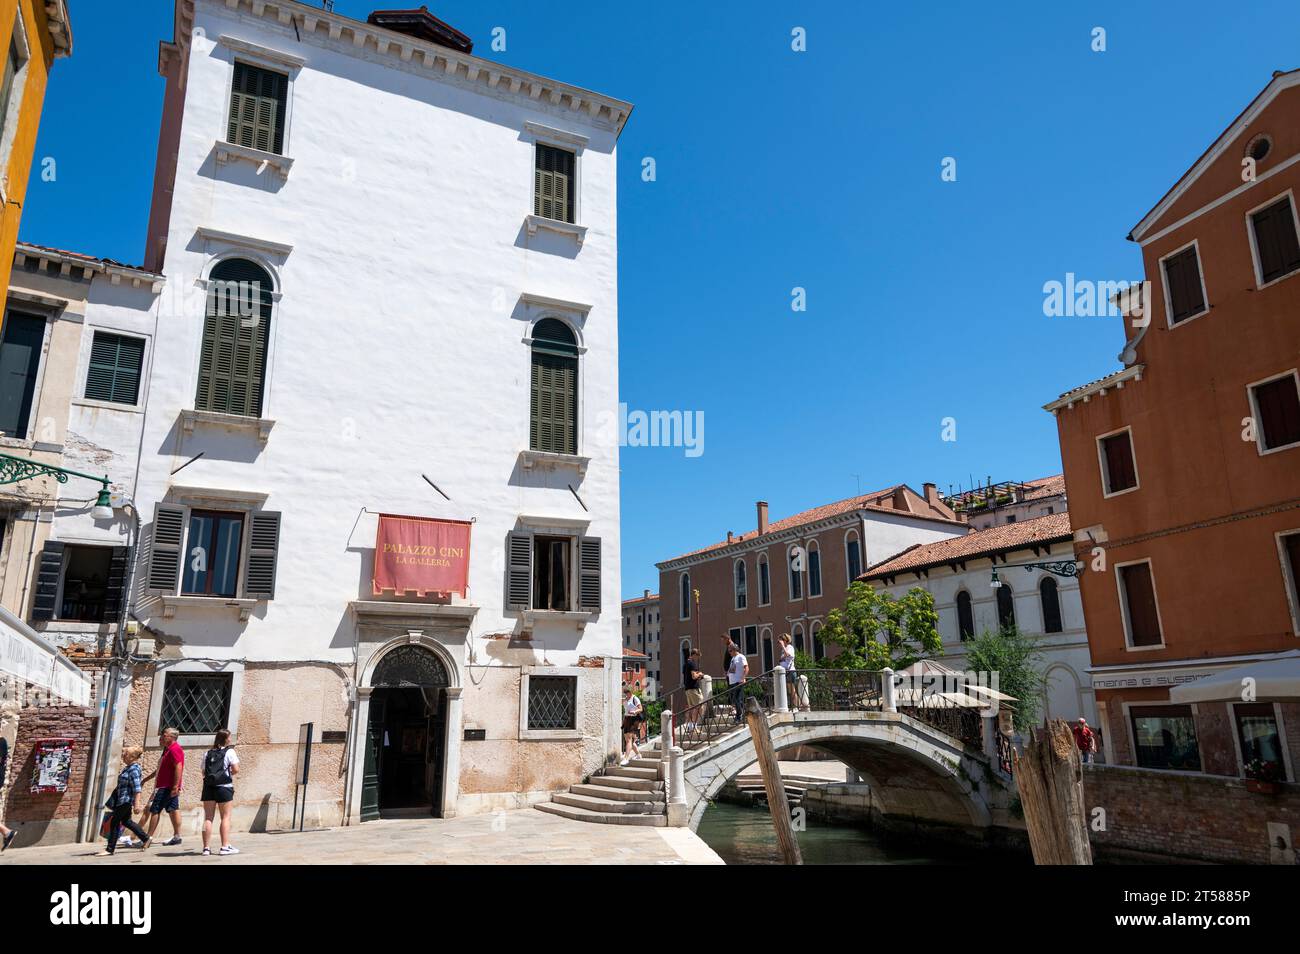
(99, 763)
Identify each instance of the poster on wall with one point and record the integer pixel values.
(53, 768)
(421, 556)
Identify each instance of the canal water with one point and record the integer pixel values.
(744, 836)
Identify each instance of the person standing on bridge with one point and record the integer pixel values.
(791, 675)
(737, 673)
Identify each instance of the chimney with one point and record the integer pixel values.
(730, 536)
(762, 516)
(645, 595)
(932, 495)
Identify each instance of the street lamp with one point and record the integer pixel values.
(14, 469)
(1057, 568)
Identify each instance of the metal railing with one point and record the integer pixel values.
(816, 690)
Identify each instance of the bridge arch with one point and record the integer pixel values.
(912, 769)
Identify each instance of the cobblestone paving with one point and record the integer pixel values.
(524, 837)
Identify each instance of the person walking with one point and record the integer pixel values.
(7, 835)
(791, 675)
(737, 673)
(220, 766)
(126, 800)
(167, 787)
(1084, 739)
(693, 683)
(633, 716)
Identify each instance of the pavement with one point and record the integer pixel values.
(521, 837)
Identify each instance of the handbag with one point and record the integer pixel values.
(104, 824)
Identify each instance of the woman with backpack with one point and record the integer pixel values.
(126, 800)
(220, 766)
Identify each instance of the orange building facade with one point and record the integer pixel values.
(35, 33)
(1183, 468)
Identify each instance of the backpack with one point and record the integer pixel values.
(214, 767)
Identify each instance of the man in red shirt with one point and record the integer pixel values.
(167, 793)
(1084, 739)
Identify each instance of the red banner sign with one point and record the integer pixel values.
(421, 555)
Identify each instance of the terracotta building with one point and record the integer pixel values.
(642, 628)
(1183, 467)
(35, 33)
(784, 576)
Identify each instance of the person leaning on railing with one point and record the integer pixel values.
(791, 675)
(737, 673)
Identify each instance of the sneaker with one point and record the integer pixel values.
(207, 851)
(126, 843)
(622, 761)
(172, 842)
(229, 850)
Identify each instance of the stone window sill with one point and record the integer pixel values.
(534, 222)
(532, 617)
(260, 425)
(232, 152)
(547, 460)
(172, 602)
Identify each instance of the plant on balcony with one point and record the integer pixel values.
(1264, 775)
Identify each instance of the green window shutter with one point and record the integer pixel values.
(262, 554)
(519, 570)
(164, 574)
(257, 104)
(553, 183)
(589, 574)
(236, 329)
(48, 572)
(554, 412)
(114, 372)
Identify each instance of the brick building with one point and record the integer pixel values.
(784, 576)
(641, 632)
(1183, 467)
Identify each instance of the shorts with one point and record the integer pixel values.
(631, 723)
(217, 793)
(164, 801)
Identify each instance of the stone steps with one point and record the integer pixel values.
(636, 784)
(603, 818)
(640, 795)
(600, 804)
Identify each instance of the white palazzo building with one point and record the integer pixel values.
(390, 288)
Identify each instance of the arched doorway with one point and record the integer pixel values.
(406, 735)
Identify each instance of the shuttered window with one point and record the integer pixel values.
(236, 328)
(554, 402)
(1276, 241)
(1138, 592)
(1277, 404)
(20, 360)
(1183, 285)
(13, 63)
(1119, 470)
(1006, 607)
(1291, 563)
(257, 106)
(553, 183)
(114, 372)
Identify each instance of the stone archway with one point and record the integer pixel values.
(913, 770)
(397, 672)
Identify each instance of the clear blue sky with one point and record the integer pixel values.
(818, 169)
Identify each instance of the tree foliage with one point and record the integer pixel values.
(1016, 658)
(875, 629)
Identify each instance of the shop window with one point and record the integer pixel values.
(1165, 737)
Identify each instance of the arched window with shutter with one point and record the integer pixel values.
(852, 555)
(742, 585)
(814, 569)
(795, 563)
(685, 585)
(764, 581)
(965, 618)
(1049, 595)
(553, 417)
(236, 330)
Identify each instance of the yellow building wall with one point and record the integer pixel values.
(17, 170)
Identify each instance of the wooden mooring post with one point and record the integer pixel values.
(1050, 778)
(756, 719)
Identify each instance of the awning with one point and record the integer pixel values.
(1277, 677)
(25, 655)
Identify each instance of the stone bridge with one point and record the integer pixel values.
(907, 756)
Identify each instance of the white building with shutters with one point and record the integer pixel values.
(390, 288)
